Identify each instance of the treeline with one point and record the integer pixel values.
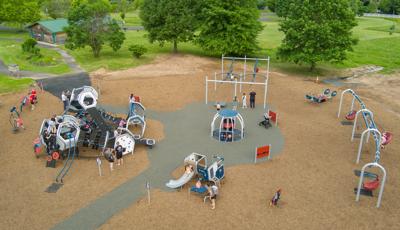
(359, 6)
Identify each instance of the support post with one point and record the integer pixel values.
(235, 87)
(215, 82)
(206, 90)
(362, 141)
(222, 65)
(265, 93)
(374, 164)
(244, 67)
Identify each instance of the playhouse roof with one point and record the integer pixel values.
(53, 26)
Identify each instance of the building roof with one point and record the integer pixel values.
(53, 26)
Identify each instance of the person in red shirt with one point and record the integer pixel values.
(33, 99)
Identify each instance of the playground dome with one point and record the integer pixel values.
(227, 126)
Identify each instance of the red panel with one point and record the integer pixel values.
(137, 98)
(263, 151)
(273, 116)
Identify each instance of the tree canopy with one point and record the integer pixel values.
(229, 27)
(56, 8)
(169, 21)
(90, 24)
(19, 11)
(317, 30)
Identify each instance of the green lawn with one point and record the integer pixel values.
(131, 18)
(8, 84)
(11, 53)
(375, 47)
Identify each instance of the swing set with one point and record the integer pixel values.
(231, 75)
(380, 140)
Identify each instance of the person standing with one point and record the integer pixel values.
(64, 99)
(131, 105)
(234, 103)
(252, 99)
(119, 150)
(244, 101)
(108, 154)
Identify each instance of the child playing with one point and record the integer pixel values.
(108, 154)
(244, 101)
(119, 150)
(234, 103)
(275, 198)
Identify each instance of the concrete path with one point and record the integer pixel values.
(182, 137)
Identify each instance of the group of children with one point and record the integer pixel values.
(111, 154)
(32, 99)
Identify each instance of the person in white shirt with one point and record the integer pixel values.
(131, 105)
(244, 101)
(64, 99)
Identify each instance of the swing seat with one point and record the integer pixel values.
(388, 138)
(351, 115)
(371, 185)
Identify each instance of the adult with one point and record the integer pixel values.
(119, 150)
(64, 99)
(131, 104)
(244, 101)
(252, 99)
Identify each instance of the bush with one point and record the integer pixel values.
(29, 45)
(137, 50)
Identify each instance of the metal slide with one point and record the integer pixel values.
(67, 164)
(181, 181)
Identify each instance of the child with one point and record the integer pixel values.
(244, 101)
(275, 198)
(108, 154)
(213, 192)
(131, 105)
(234, 103)
(33, 99)
(218, 106)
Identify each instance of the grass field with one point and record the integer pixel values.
(131, 18)
(11, 53)
(8, 84)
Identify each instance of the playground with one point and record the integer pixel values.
(312, 158)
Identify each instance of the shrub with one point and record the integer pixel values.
(137, 50)
(261, 4)
(29, 45)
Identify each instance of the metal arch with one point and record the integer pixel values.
(374, 164)
(377, 143)
(363, 111)
(341, 100)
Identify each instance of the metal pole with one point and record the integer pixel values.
(240, 84)
(352, 103)
(244, 69)
(98, 161)
(222, 64)
(268, 67)
(341, 100)
(215, 83)
(265, 92)
(206, 90)
(235, 88)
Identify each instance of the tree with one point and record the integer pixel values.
(390, 6)
(261, 4)
(90, 24)
(56, 8)
(229, 27)
(169, 20)
(282, 7)
(19, 11)
(317, 30)
(271, 5)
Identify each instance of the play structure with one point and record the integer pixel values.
(239, 79)
(325, 96)
(379, 139)
(227, 126)
(214, 172)
(84, 124)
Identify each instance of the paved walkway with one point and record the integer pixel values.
(182, 137)
(68, 59)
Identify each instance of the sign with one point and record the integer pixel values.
(262, 152)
